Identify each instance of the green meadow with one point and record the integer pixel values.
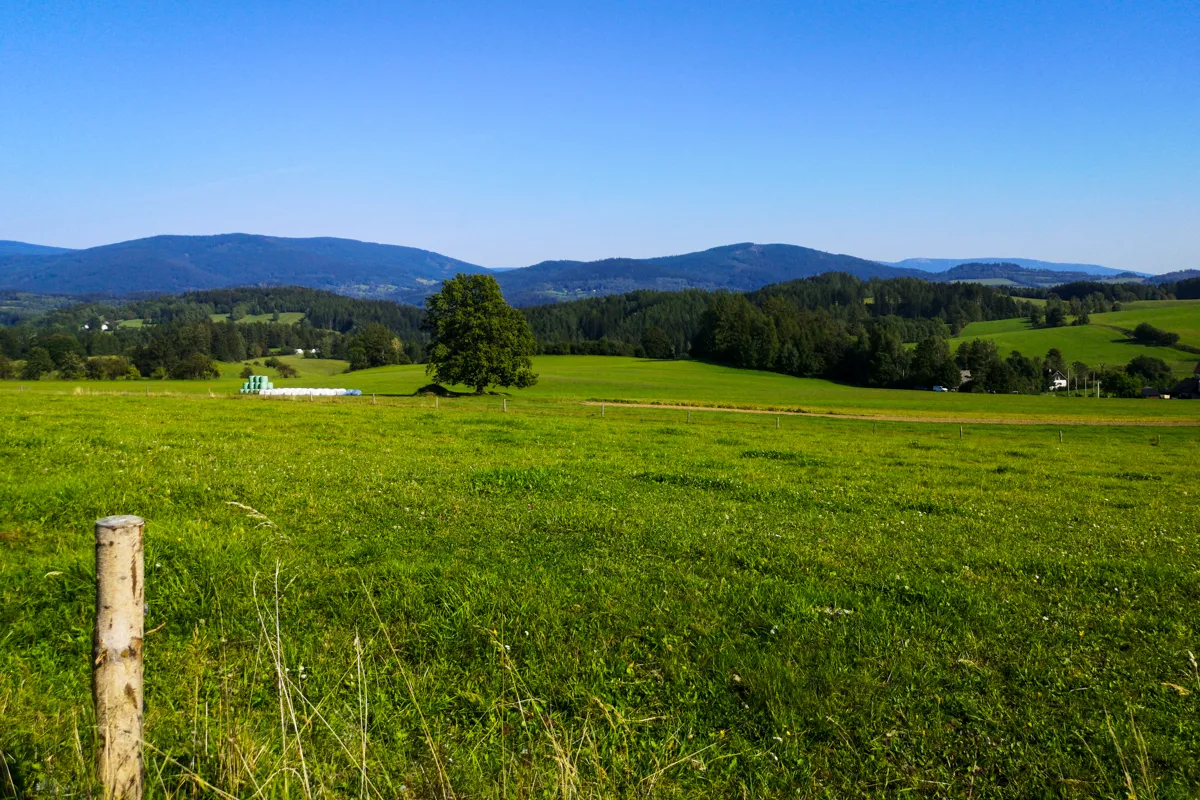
(1105, 340)
(547, 602)
(572, 380)
(285, 317)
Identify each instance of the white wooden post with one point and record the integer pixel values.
(372, 398)
(117, 655)
(435, 401)
(505, 401)
(602, 409)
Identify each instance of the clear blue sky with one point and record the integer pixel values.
(504, 134)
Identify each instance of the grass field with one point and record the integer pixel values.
(550, 603)
(1104, 340)
(570, 380)
(306, 367)
(285, 317)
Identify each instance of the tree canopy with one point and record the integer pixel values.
(478, 339)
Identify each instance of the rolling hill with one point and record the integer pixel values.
(1179, 275)
(171, 264)
(11, 248)
(405, 274)
(738, 267)
(1008, 274)
(944, 264)
(179, 263)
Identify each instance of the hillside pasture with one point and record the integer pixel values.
(306, 367)
(1179, 316)
(1104, 341)
(285, 318)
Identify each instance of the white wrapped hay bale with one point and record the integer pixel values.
(298, 391)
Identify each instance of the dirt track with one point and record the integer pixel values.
(1179, 423)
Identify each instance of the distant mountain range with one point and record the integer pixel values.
(739, 267)
(10, 248)
(407, 274)
(179, 263)
(944, 264)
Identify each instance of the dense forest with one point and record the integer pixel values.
(878, 332)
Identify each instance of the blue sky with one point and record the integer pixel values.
(504, 134)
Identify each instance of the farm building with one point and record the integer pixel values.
(1057, 380)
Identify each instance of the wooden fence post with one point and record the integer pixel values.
(117, 655)
(505, 401)
(602, 409)
(1060, 437)
(776, 422)
(689, 415)
(372, 398)
(435, 402)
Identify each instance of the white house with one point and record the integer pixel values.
(1057, 380)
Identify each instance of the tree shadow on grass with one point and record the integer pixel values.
(442, 391)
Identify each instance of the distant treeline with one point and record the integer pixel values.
(322, 310)
(879, 332)
(1188, 289)
(175, 336)
(912, 309)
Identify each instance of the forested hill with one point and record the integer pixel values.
(404, 274)
(171, 264)
(739, 267)
(1008, 274)
(11, 248)
(181, 263)
(915, 307)
(944, 264)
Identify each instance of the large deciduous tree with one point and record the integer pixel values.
(478, 339)
(656, 344)
(37, 364)
(1152, 371)
(376, 346)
